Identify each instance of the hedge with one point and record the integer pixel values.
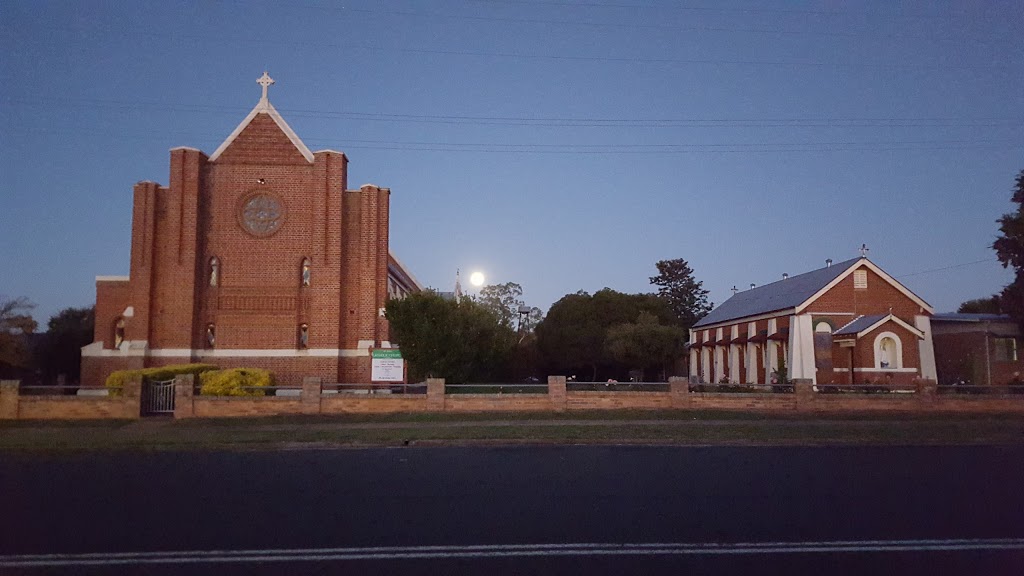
(231, 382)
(119, 378)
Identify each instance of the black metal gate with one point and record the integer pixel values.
(157, 397)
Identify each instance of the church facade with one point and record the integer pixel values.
(258, 255)
(847, 323)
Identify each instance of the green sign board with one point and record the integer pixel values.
(386, 353)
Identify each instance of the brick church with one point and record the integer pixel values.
(847, 323)
(258, 255)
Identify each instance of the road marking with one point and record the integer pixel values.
(502, 551)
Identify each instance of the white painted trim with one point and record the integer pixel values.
(329, 151)
(926, 348)
(801, 348)
(265, 107)
(171, 353)
(877, 350)
(189, 148)
(96, 350)
(874, 268)
(895, 319)
(112, 278)
(879, 370)
(775, 314)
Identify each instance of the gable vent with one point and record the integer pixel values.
(860, 279)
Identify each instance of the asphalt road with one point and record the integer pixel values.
(516, 510)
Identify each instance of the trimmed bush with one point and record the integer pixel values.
(119, 378)
(232, 382)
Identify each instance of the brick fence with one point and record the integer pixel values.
(312, 399)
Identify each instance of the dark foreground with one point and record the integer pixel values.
(603, 510)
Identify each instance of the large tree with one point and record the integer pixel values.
(645, 344)
(572, 336)
(505, 301)
(16, 324)
(1009, 247)
(684, 294)
(460, 341)
(60, 350)
(988, 305)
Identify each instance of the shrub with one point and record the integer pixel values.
(119, 378)
(232, 382)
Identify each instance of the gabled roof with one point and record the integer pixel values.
(857, 324)
(862, 325)
(265, 107)
(797, 293)
(788, 293)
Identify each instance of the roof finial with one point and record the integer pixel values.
(864, 250)
(735, 290)
(264, 81)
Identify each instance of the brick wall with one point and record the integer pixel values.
(14, 406)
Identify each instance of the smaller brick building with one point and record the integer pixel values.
(978, 349)
(258, 255)
(847, 323)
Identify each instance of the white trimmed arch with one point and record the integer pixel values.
(888, 346)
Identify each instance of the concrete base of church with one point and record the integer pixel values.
(288, 370)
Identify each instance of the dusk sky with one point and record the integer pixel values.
(562, 145)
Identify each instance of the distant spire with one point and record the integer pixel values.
(458, 286)
(265, 81)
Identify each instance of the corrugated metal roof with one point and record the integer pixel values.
(780, 295)
(963, 317)
(858, 324)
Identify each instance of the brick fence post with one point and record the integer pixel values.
(312, 391)
(132, 395)
(435, 394)
(9, 399)
(679, 389)
(927, 392)
(184, 391)
(805, 394)
(556, 393)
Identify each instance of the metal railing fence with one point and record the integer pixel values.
(496, 388)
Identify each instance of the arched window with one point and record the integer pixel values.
(888, 351)
(211, 335)
(306, 272)
(118, 332)
(214, 271)
(823, 346)
(303, 335)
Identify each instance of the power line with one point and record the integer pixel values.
(961, 265)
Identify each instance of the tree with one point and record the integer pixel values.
(503, 300)
(684, 294)
(16, 324)
(572, 336)
(459, 341)
(988, 305)
(1009, 247)
(645, 343)
(60, 351)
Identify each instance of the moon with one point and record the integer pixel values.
(476, 279)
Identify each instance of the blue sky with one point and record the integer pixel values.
(562, 145)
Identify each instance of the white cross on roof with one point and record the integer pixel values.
(265, 81)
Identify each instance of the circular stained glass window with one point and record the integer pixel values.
(261, 214)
